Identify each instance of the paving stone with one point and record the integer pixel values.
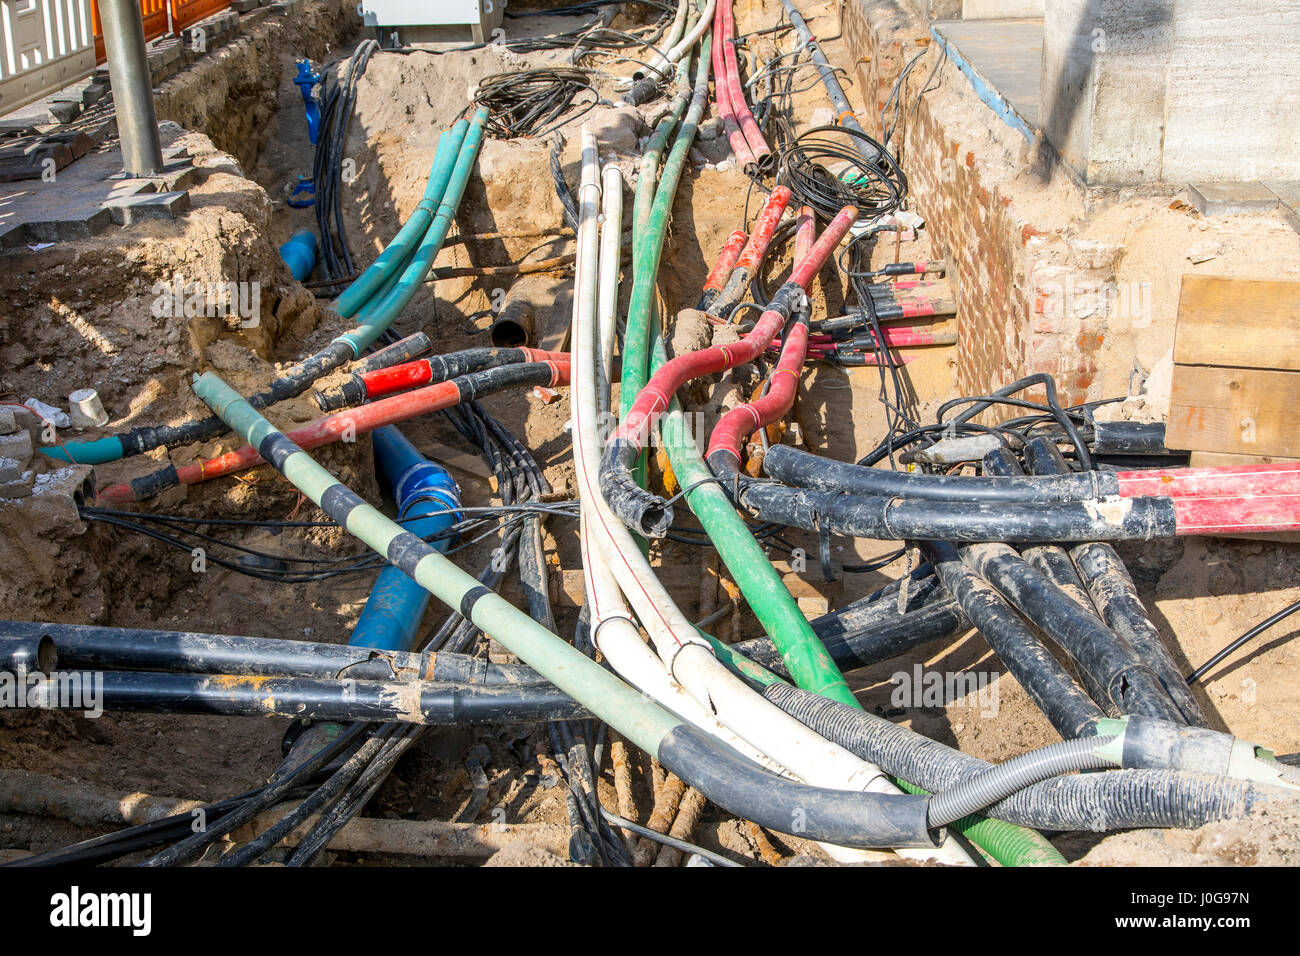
(129, 210)
(1229, 199)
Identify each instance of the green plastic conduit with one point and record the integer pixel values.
(646, 253)
(848, 817)
(398, 251)
(378, 314)
(638, 719)
(804, 655)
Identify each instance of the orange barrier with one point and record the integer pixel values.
(153, 12)
(160, 17)
(185, 12)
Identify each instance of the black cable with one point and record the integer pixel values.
(1250, 635)
(805, 166)
(532, 102)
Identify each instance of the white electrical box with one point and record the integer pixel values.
(481, 16)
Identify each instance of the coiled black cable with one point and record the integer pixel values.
(824, 169)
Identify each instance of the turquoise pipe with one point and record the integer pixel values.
(377, 315)
(399, 250)
(384, 276)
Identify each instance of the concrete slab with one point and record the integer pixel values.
(88, 197)
(128, 210)
(1230, 199)
(1003, 60)
(1288, 194)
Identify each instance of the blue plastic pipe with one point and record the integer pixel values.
(299, 253)
(392, 615)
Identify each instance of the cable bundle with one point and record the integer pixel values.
(531, 102)
(825, 169)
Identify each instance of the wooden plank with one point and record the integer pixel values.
(1243, 323)
(1235, 410)
(1219, 459)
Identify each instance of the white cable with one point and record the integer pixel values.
(613, 631)
(611, 548)
(688, 41)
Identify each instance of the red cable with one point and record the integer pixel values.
(726, 261)
(651, 401)
(332, 428)
(735, 92)
(722, 99)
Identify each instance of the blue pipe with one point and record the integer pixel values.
(307, 81)
(392, 615)
(299, 253)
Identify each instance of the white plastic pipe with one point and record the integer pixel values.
(684, 45)
(613, 631)
(609, 549)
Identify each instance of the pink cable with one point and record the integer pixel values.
(722, 99)
(735, 92)
(651, 401)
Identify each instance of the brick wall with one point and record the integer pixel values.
(1027, 294)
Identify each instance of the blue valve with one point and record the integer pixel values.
(307, 81)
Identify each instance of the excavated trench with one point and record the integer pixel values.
(85, 313)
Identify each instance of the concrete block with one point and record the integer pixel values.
(1230, 199)
(64, 111)
(1288, 194)
(127, 210)
(17, 447)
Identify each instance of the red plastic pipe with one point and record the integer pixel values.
(1229, 481)
(722, 268)
(755, 251)
(397, 378)
(1236, 515)
(736, 92)
(332, 428)
(805, 233)
(722, 98)
(651, 401)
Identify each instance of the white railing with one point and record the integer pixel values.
(45, 45)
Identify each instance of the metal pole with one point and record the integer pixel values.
(128, 68)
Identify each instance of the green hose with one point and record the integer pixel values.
(378, 313)
(645, 263)
(398, 251)
(609, 698)
(805, 657)
(1007, 843)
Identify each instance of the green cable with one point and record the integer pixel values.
(646, 254)
(806, 658)
(398, 251)
(378, 313)
(638, 718)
